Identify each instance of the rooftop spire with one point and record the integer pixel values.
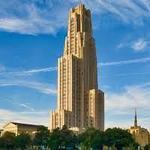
(135, 119)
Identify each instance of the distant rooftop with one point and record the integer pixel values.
(26, 124)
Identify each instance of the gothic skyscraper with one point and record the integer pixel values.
(80, 103)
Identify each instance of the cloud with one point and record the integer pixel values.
(36, 117)
(51, 69)
(32, 17)
(140, 45)
(126, 10)
(40, 70)
(44, 16)
(125, 62)
(40, 87)
(5, 72)
(21, 105)
(2, 68)
(21, 26)
(120, 105)
(126, 75)
(27, 107)
(19, 78)
(119, 109)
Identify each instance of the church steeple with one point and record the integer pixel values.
(135, 119)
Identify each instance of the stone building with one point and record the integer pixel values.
(18, 128)
(80, 104)
(141, 135)
(1, 130)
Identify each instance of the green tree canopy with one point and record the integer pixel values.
(147, 147)
(62, 139)
(91, 138)
(7, 141)
(118, 137)
(41, 137)
(23, 141)
(54, 140)
(68, 138)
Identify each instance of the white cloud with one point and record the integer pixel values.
(2, 68)
(120, 106)
(41, 87)
(19, 78)
(41, 70)
(35, 17)
(27, 26)
(40, 117)
(140, 44)
(26, 106)
(6, 72)
(32, 17)
(125, 62)
(126, 75)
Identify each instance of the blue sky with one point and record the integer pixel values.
(32, 36)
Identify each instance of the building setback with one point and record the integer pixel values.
(80, 104)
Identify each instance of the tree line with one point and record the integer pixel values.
(64, 139)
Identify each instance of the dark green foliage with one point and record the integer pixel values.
(62, 139)
(7, 141)
(23, 141)
(54, 139)
(68, 138)
(147, 147)
(41, 137)
(91, 138)
(134, 146)
(118, 137)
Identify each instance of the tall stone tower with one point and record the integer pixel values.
(80, 103)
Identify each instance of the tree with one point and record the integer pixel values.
(54, 139)
(1, 142)
(98, 140)
(134, 146)
(62, 139)
(41, 137)
(147, 147)
(68, 138)
(118, 137)
(8, 141)
(23, 141)
(91, 138)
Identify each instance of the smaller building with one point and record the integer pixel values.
(1, 130)
(19, 128)
(141, 135)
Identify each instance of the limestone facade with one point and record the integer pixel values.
(141, 135)
(80, 104)
(18, 128)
